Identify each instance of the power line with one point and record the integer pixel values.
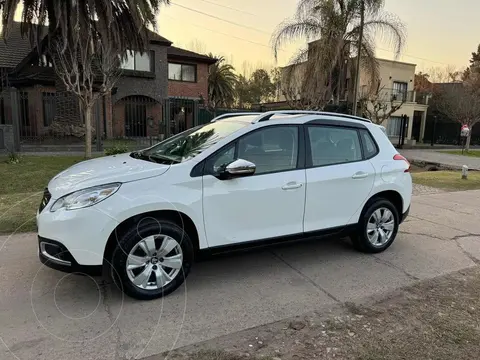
(221, 19)
(225, 34)
(415, 57)
(265, 32)
(228, 7)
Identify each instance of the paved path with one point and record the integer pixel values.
(45, 314)
(442, 158)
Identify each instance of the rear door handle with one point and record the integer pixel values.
(360, 175)
(292, 185)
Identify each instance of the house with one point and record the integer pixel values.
(396, 86)
(156, 89)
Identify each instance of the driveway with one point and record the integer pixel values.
(442, 158)
(45, 314)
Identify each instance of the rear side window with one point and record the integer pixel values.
(333, 145)
(368, 144)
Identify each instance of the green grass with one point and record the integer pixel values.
(32, 173)
(21, 189)
(470, 153)
(449, 180)
(17, 212)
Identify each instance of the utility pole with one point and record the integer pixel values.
(357, 71)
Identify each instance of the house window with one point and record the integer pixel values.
(45, 61)
(48, 100)
(139, 62)
(399, 90)
(182, 72)
(394, 126)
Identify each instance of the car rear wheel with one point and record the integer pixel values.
(152, 259)
(377, 227)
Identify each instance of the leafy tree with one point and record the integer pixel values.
(221, 84)
(335, 25)
(262, 89)
(242, 91)
(121, 22)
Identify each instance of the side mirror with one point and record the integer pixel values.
(238, 168)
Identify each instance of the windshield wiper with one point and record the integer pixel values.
(162, 158)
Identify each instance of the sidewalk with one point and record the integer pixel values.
(441, 159)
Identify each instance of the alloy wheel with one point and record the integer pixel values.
(380, 226)
(154, 262)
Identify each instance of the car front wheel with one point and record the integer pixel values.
(377, 227)
(152, 259)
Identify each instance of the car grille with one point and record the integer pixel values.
(45, 199)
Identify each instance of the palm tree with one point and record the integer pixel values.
(334, 29)
(122, 22)
(221, 83)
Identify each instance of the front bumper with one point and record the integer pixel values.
(84, 232)
(56, 256)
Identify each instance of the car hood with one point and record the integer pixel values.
(104, 170)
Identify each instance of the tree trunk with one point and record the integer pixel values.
(467, 143)
(88, 132)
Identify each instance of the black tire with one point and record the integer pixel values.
(132, 237)
(360, 239)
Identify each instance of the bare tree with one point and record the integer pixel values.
(380, 104)
(89, 68)
(447, 74)
(460, 102)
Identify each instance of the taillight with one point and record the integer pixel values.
(402, 158)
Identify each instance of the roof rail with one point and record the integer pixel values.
(228, 115)
(267, 115)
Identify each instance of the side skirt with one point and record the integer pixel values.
(340, 231)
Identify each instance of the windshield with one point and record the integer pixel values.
(190, 143)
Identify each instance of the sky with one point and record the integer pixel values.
(439, 32)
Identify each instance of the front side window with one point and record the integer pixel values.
(271, 149)
(138, 61)
(191, 143)
(182, 72)
(333, 145)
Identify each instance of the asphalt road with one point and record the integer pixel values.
(46, 314)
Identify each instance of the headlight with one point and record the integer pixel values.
(86, 197)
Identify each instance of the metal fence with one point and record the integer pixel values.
(54, 121)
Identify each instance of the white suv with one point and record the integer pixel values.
(241, 180)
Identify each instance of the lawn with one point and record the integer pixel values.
(22, 186)
(448, 180)
(471, 153)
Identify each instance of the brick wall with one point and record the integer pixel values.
(190, 89)
(154, 87)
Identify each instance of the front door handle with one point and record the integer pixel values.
(292, 185)
(360, 175)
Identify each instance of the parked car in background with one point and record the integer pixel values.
(235, 182)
